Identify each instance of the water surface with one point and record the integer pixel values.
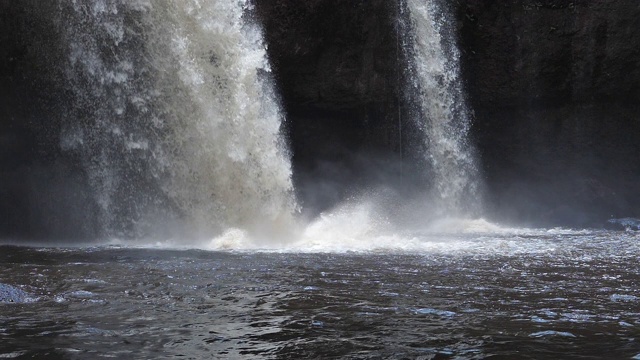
(561, 295)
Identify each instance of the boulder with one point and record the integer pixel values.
(11, 294)
(624, 224)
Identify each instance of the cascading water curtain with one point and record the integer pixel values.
(176, 120)
(434, 90)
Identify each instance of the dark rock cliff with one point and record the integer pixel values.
(42, 194)
(555, 86)
(336, 64)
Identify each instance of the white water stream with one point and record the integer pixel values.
(178, 113)
(436, 88)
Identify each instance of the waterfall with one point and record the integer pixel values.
(176, 121)
(434, 91)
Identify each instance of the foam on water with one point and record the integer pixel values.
(362, 228)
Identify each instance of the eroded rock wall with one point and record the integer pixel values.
(43, 194)
(336, 65)
(555, 86)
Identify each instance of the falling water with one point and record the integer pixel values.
(435, 90)
(177, 123)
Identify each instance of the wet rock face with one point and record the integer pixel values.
(336, 67)
(551, 52)
(625, 224)
(43, 194)
(332, 54)
(555, 88)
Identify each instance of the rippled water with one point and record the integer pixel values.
(549, 295)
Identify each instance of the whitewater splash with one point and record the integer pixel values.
(435, 89)
(369, 224)
(358, 228)
(179, 127)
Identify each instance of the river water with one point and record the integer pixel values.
(527, 294)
